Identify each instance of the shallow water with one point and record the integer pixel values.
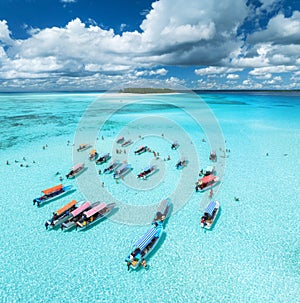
(251, 254)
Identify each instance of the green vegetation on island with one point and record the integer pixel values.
(146, 90)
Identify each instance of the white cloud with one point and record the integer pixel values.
(68, 1)
(213, 70)
(5, 33)
(233, 76)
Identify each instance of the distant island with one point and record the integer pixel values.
(146, 90)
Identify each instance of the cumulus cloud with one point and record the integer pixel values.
(213, 70)
(233, 76)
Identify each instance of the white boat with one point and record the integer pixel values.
(181, 163)
(213, 156)
(94, 214)
(120, 140)
(61, 215)
(122, 170)
(75, 171)
(175, 145)
(103, 158)
(147, 171)
(206, 182)
(210, 214)
(83, 147)
(141, 150)
(144, 246)
(77, 214)
(112, 167)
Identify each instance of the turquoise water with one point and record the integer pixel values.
(251, 254)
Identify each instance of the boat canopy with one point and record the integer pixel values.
(77, 166)
(146, 239)
(104, 155)
(122, 167)
(150, 167)
(93, 151)
(210, 207)
(208, 178)
(95, 210)
(66, 207)
(81, 208)
(52, 189)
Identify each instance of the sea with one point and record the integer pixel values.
(252, 252)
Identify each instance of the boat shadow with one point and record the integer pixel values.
(153, 252)
(57, 198)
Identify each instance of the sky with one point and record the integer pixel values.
(90, 45)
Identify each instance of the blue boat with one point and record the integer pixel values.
(122, 170)
(52, 193)
(103, 158)
(112, 167)
(147, 171)
(143, 247)
(210, 214)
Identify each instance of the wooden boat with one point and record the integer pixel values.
(144, 246)
(122, 170)
(52, 193)
(95, 214)
(206, 182)
(181, 163)
(75, 171)
(76, 215)
(141, 150)
(112, 166)
(162, 211)
(83, 147)
(93, 155)
(126, 143)
(213, 156)
(61, 215)
(147, 171)
(174, 145)
(210, 214)
(120, 140)
(103, 158)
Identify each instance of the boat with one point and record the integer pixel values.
(210, 170)
(147, 171)
(206, 181)
(77, 214)
(93, 155)
(112, 166)
(210, 214)
(120, 140)
(162, 211)
(75, 171)
(122, 170)
(213, 156)
(61, 215)
(143, 247)
(141, 150)
(103, 158)
(174, 145)
(95, 214)
(181, 163)
(126, 143)
(52, 193)
(83, 147)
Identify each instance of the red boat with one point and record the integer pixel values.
(206, 181)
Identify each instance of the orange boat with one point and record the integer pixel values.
(52, 193)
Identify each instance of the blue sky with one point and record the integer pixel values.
(52, 45)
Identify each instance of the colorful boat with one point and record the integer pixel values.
(143, 247)
(120, 140)
(61, 215)
(210, 214)
(52, 193)
(162, 211)
(175, 145)
(93, 155)
(95, 214)
(122, 170)
(141, 150)
(181, 163)
(83, 147)
(103, 158)
(75, 171)
(112, 166)
(207, 181)
(126, 143)
(147, 171)
(210, 170)
(76, 215)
